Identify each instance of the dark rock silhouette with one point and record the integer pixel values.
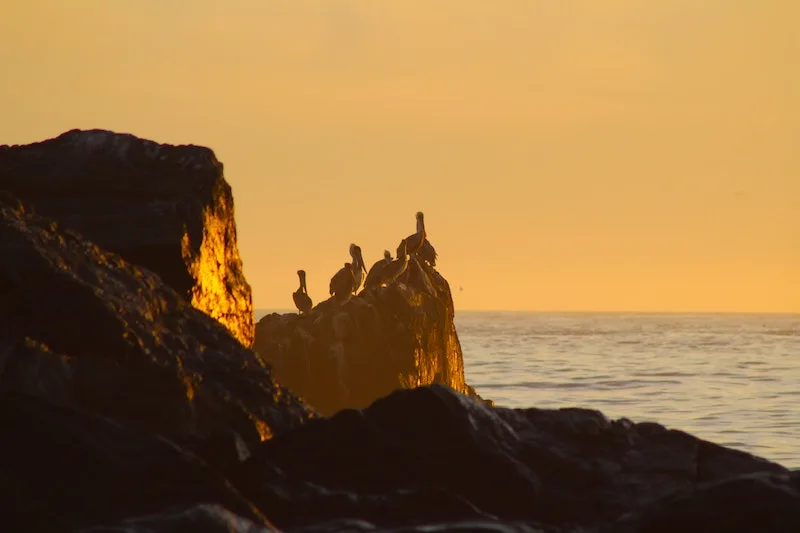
(552, 469)
(81, 326)
(762, 501)
(349, 354)
(167, 208)
(63, 468)
(421, 461)
(202, 518)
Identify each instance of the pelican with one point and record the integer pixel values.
(342, 282)
(301, 298)
(396, 268)
(374, 275)
(358, 266)
(414, 241)
(427, 253)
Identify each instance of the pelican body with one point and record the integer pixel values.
(414, 241)
(392, 271)
(427, 253)
(301, 298)
(343, 282)
(374, 276)
(359, 270)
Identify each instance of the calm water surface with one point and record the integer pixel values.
(731, 379)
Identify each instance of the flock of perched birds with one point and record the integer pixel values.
(347, 281)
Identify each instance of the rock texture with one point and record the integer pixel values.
(63, 468)
(554, 470)
(432, 460)
(82, 326)
(167, 208)
(349, 354)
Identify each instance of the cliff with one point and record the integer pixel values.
(81, 326)
(166, 208)
(350, 354)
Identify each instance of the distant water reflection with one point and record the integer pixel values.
(731, 379)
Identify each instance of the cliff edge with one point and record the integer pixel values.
(350, 354)
(166, 208)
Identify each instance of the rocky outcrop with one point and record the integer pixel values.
(82, 326)
(167, 208)
(432, 460)
(63, 468)
(555, 470)
(349, 354)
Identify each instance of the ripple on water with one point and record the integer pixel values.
(725, 378)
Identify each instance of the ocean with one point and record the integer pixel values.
(728, 378)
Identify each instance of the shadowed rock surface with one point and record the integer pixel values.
(419, 461)
(63, 468)
(81, 326)
(167, 208)
(347, 355)
(564, 468)
(763, 501)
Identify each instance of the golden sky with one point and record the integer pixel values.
(568, 155)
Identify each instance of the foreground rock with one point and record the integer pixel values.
(81, 326)
(63, 469)
(420, 461)
(552, 469)
(167, 208)
(349, 355)
(431, 460)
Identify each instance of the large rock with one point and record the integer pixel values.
(347, 355)
(167, 208)
(82, 326)
(759, 502)
(558, 469)
(63, 468)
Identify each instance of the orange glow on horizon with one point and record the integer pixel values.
(618, 156)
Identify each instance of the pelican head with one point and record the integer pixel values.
(420, 222)
(302, 275)
(402, 250)
(387, 255)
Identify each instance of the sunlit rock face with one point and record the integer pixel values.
(167, 208)
(82, 326)
(348, 355)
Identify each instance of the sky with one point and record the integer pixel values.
(569, 155)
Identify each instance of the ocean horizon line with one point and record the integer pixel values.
(282, 310)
